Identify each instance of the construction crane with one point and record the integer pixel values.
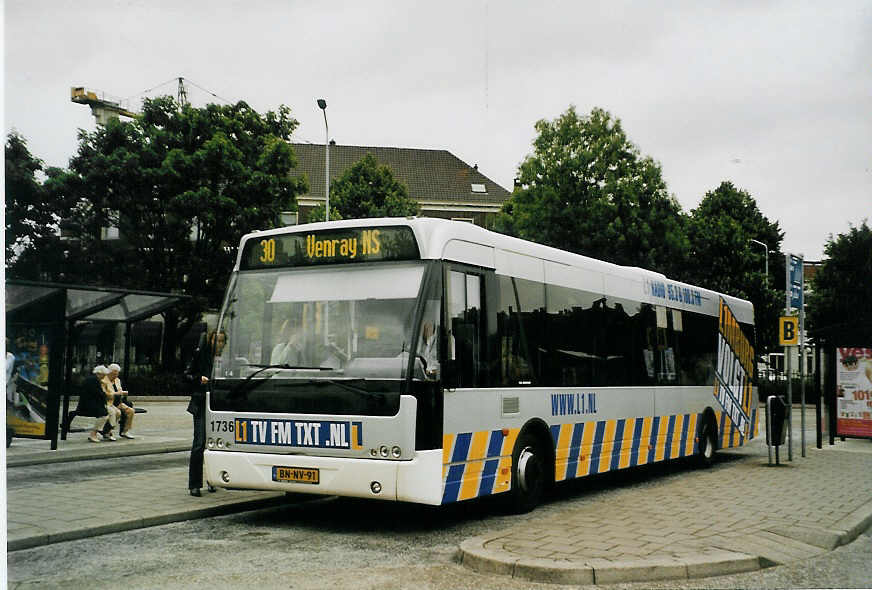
(103, 106)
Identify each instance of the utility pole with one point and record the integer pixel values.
(181, 93)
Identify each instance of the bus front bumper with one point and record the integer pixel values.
(419, 480)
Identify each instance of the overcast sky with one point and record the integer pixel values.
(774, 96)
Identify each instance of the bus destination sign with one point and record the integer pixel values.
(331, 246)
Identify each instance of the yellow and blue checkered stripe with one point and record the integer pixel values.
(479, 463)
(732, 436)
(587, 448)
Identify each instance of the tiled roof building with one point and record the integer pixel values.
(442, 184)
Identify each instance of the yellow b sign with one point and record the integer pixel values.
(788, 331)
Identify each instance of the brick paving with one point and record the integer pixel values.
(735, 517)
(44, 513)
(748, 509)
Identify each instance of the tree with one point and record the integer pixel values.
(724, 258)
(29, 218)
(181, 185)
(840, 305)
(587, 189)
(368, 189)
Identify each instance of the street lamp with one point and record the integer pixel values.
(767, 258)
(322, 104)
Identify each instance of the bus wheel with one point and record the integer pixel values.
(528, 474)
(707, 445)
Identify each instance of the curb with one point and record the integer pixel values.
(46, 457)
(139, 523)
(484, 554)
(478, 557)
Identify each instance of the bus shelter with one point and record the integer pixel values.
(41, 321)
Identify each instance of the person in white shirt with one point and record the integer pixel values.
(120, 400)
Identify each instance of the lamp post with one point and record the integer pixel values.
(767, 258)
(758, 242)
(322, 104)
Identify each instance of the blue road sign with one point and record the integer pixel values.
(795, 280)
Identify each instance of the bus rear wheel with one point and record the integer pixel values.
(529, 472)
(707, 445)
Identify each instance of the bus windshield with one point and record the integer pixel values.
(323, 323)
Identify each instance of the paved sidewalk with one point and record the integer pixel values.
(53, 512)
(697, 524)
(165, 428)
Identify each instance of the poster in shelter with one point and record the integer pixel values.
(854, 392)
(27, 377)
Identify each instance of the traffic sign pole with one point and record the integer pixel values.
(787, 294)
(802, 355)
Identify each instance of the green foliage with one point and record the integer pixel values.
(840, 306)
(723, 257)
(587, 189)
(29, 219)
(368, 189)
(317, 213)
(181, 186)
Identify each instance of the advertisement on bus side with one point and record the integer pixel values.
(735, 366)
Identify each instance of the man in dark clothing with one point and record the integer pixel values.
(197, 375)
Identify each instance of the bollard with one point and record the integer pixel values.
(776, 419)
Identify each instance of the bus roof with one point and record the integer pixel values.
(463, 242)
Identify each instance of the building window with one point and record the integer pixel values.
(110, 232)
(466, 219)
(478, 188)
(288, 218)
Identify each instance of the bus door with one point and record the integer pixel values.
(465, 359)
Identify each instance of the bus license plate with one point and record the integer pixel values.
(295, 474)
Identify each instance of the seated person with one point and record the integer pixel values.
(121, 401)
(288, 351)
(108, 398)
(92, 403)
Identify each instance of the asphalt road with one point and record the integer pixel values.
(342, 543)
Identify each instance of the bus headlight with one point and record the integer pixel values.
(383, 451)
(225, 477)
(396, 452)
(376, 487)
(210, 443)
(220, 443)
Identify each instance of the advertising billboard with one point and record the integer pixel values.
(854, 392)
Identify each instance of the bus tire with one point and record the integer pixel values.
(529, 473)
(707, 444)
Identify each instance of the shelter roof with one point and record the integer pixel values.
(83, 302)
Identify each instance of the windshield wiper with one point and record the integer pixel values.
(243, 388)
(287, 366)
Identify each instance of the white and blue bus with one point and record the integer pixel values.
(432, 361)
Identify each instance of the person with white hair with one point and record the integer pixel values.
(109, 397)
(93, 402)
(120, 400)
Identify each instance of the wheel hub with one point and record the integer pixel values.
(528, 469)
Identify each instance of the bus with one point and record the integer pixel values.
(433, 361)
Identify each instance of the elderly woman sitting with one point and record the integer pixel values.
(114, 413)
(119, 399)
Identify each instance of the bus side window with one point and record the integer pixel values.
(514, 368)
